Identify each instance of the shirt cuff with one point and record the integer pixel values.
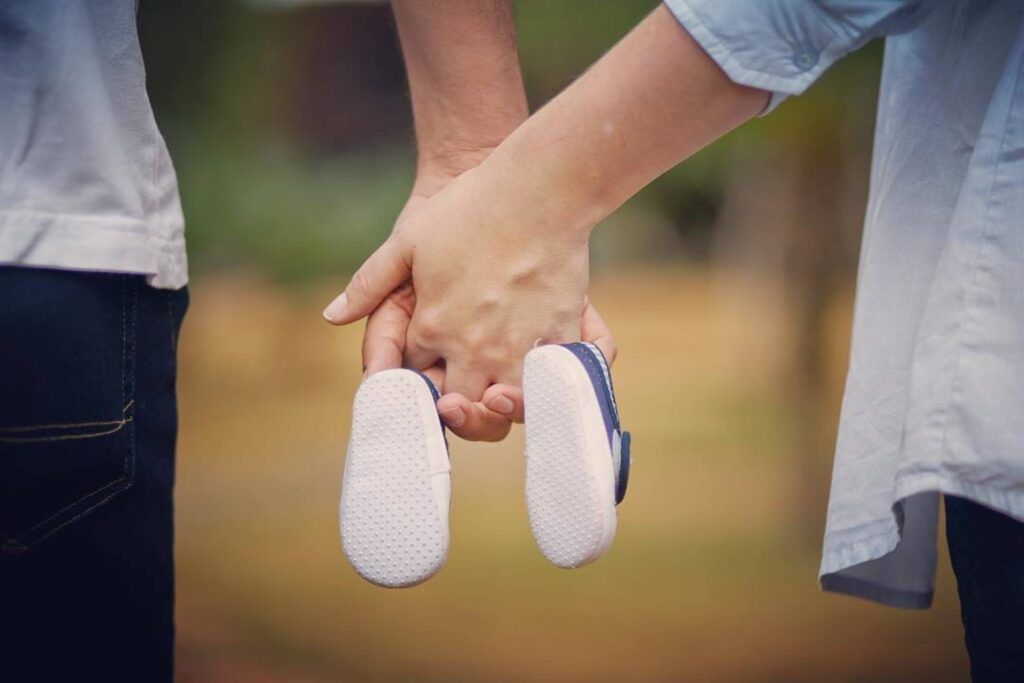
(780, 46)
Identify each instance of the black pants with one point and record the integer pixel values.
(87, 430)
(987, 550)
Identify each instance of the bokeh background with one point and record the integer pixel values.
(728, 283)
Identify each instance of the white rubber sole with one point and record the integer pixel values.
(570, 485)
(397, 487)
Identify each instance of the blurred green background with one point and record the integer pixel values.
(728, 283)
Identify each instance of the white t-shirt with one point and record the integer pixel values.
(85, 179)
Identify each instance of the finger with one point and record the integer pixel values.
(594, 330)
(435, 374)
(460, 379)
(385, 270)
(384, 337)
(472, 421)
(506, 400)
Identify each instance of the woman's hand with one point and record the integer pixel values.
(493, 276)
(493, 272)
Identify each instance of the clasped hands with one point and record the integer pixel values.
(489, 255)
(478, 269)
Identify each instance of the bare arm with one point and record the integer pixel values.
(517, 225)
(464, 82)
(652, 101)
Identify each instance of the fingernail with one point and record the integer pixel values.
(453, 417)
(336, 309)
(501, 404)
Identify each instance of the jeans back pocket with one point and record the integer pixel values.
(67, 357)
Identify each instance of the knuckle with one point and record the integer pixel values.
(428, 329)
(478, 344)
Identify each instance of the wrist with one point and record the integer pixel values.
(555, 178)
(439, 164)
(526, 194)
(453, 137)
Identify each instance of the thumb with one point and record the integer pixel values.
(376, 278)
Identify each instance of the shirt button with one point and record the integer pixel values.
(805, 58)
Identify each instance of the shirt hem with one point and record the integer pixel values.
(114, 244)
(861, 588)
(846, 555)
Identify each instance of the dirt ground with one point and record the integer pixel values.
(708, 580)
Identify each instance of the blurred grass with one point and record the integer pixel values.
(295, 217)
(708, 579)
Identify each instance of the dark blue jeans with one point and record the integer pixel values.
(87, 430)
(987, 550)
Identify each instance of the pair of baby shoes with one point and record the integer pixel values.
(397, 486)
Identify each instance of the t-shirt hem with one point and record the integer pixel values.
(92, 243)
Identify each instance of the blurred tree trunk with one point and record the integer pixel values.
(815, 269)
(347, 88)
(792, 211)
(794, 199)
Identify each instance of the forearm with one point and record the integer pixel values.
(464, 80)
(650, 102)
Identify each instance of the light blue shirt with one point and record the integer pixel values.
(934, 398)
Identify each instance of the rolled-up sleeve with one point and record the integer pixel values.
(783, 46)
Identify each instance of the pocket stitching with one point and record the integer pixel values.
(24, 540)
(116, 424)
(15, 545)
